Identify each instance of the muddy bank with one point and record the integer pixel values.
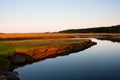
(7, 69)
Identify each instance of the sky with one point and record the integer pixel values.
(24, 16)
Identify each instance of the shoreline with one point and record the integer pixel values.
(20, 59)
(38, 54)
(29, 51)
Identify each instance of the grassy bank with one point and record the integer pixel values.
(7, 48)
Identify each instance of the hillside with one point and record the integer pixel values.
(110, 29)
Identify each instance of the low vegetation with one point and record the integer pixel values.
(7, 48)
(33, 36)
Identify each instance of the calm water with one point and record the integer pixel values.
(100, 62)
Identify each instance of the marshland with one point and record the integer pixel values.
(19, 50)
(59, 40)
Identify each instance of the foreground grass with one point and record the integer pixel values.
(7, 48)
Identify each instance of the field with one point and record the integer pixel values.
(7, 48)
(11, 43)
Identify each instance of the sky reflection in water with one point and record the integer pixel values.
(100, 62)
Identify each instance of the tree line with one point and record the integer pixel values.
(110, 29)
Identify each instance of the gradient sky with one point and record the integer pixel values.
(54, 15)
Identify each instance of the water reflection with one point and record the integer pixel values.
(100, 62)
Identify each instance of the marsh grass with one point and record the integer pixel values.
(33, 36)
(10, 43)
(7, 48)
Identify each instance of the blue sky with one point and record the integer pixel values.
(54, 15)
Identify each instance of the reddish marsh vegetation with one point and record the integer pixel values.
(51, 36)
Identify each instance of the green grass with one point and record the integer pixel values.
(7, 48)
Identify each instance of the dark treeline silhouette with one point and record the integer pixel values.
(111, 29)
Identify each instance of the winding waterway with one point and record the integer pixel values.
(100, 62)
